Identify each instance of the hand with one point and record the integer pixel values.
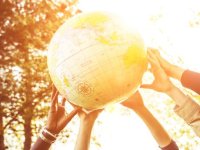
(89, 116)
(134, 102)
(58, 118)
(161, 82)
(86, 125)
(170, 69)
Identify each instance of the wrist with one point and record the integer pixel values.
(87, 120)
(176, 72)
(54, 132)
(168, 87)
(47, 136)
(171, 90)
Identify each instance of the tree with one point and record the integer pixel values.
(26, 29)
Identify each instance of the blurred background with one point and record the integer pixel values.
(26, 27)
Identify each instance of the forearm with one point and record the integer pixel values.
(44, 140)
(186, 108)
(156, 129)
(176, 72)
(40, 144)
(177, 95)
(85, 130)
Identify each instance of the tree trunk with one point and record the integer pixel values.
(27, 132)
(2, 146)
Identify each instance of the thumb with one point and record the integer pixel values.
(68, 118)
(71, 115)
(147, 86)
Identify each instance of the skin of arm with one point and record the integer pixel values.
(57, 120)
(171, 70)
(189, 79)
(87, 121)
(136, 104)
(162, 82)
(185, 107)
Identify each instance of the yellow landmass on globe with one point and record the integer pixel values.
(66, 81)
(134, 55)
(109, 39)
(92, 19)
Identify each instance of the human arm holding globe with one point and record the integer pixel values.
(57, 120)
(87, 121)
(185, 107)
(135, 103)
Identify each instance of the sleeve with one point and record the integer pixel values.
(171, 146)
(191, 80)
(190, 112)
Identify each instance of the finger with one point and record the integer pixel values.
(152, 62)
(156, 52)
(151, 54)
(162, 61)
(157, 55)
(71, 115)
(53, 91)
(151, 48)
(63, 101)
(98, 111)
(73, 105)
(147, 86)
(54, 101)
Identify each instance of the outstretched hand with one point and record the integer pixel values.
(58, 117)
(161, 81)
(170, 69)
(87, 120)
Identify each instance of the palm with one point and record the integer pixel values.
(59, 121)
(161, 82)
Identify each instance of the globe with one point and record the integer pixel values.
(95, 60)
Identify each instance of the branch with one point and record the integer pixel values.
(22, 108)
(9, 122)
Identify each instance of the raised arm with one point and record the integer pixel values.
(136, 104)
(57, 120)
(87, 121)
(185, 107)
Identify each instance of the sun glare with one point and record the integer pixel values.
(164, 24)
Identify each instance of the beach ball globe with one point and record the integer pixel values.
(95, 60)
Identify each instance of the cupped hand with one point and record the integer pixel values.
(161, 81)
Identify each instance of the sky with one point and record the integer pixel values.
(163, 24)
